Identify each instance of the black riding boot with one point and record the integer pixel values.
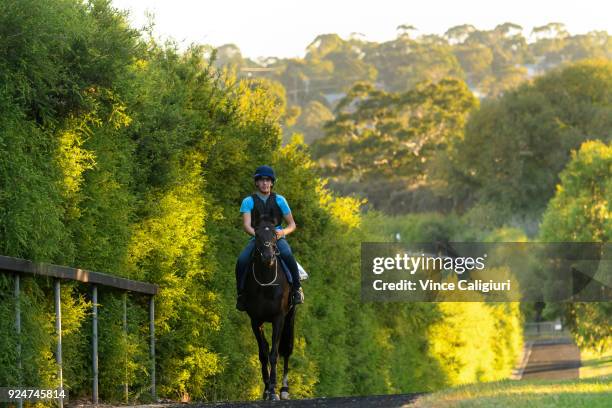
(240, 301)
(297, 296)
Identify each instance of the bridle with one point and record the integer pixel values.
(267, 244)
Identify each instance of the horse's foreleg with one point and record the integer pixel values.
(277, 329)
(262, 345)
(285, 388)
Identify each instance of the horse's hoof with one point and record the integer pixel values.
(266, 395)
(274, 397)
(284, 395)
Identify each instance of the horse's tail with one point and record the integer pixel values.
(286, 341)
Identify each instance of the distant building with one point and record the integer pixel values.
(333, 98)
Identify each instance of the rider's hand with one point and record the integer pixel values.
(280, 234)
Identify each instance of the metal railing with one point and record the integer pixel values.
(547, 329)
(18, 267)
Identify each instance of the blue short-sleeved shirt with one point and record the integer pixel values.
(248, 204)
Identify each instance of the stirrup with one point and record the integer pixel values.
(241, 302)
(297, 296)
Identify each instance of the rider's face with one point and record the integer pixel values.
(264, 184)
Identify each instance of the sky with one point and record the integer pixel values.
(284, 28)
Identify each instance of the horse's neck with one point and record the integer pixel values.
(268, 272)
(262, 268)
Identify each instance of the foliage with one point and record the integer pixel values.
(518, 144)
(378, 137)
(467, 344)
(532, 110)
(490, 61)
(311, 121)
(580, 211)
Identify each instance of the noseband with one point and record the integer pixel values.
(269, 244)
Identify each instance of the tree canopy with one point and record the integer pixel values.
(515, 146)
(580, 212)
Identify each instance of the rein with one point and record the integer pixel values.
(271, 283)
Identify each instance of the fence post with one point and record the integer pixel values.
(94, 343)
(125, 337)
(18, 330)
(152, 347)
(58, 330)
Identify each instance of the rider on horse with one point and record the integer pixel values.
(273, 206)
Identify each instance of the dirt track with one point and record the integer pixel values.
(390, 401)
(553, 361)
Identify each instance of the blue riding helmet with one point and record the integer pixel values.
(264, 171)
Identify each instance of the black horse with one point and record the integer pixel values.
(267, 300)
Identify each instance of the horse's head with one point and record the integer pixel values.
(265, 242)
